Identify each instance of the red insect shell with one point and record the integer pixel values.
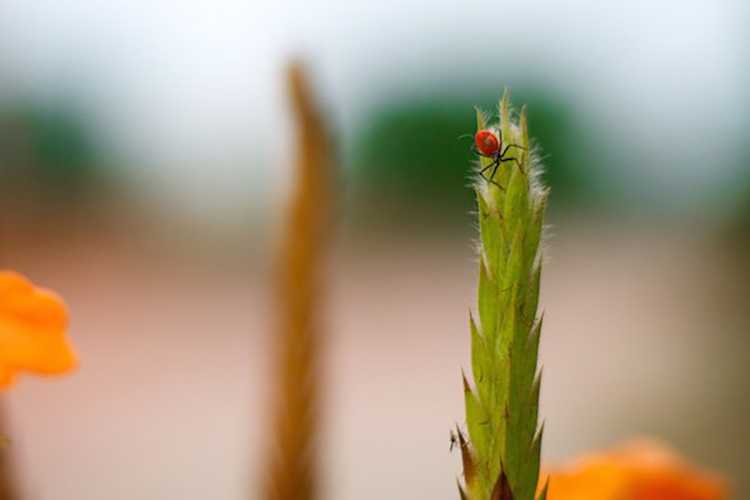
(487, 142)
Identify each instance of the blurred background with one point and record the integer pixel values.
(144, 169)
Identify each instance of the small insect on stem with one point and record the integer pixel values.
(489, 145)
(454, 442)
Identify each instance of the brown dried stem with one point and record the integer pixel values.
(293, 459)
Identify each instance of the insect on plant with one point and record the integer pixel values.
(489, 145)
(454, 441)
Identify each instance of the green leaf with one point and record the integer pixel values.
(488, 302)
(480, 360)
(532, 344)
(477, 420)
(490, 230)
(505, 124)
(512, 277)
(529, 473)
(523, 124)
(537, 223)
(532, 293)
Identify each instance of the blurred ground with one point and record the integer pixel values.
(645, 334)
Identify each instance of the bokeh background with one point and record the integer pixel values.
(145, 163)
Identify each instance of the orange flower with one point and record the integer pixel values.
(33, 322)
(639, 471)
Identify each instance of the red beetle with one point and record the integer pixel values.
(490, 145)
(487, 142)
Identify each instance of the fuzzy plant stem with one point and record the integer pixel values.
(502, 451)
(293, 463)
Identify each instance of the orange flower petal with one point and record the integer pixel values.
(33, 322)
(640, 471)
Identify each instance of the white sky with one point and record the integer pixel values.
(191, 87)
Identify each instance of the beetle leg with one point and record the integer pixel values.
(520, 165)
(513, 146)
(518, 162)
(491, 178)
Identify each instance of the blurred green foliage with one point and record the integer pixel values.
(739, 226)
(46, 150)
(418, 149)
